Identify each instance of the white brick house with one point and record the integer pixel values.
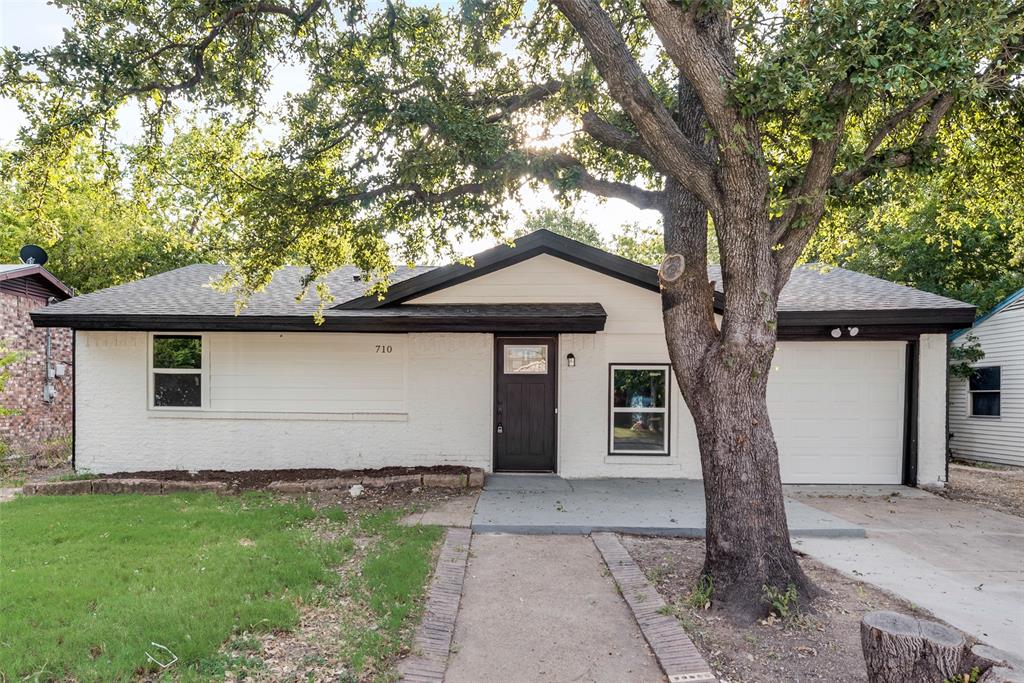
(546, 356)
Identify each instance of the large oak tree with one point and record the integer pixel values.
(419, 122)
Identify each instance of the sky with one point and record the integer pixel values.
(33, 24)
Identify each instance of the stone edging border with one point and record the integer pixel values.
(676, 654)
(475, 479)
(434, 637)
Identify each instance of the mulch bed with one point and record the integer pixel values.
(258, 479)
(823, 645)
(990, 486)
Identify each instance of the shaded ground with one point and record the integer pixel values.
(543, 609)
(991, 486)
(820, 646)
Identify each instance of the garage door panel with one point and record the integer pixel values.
(837, 411)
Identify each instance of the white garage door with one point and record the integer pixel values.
(837, 411)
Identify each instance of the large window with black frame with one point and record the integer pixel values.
(639, 409)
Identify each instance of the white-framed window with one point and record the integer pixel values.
(638, 409)
(177, 371)
(985, 388)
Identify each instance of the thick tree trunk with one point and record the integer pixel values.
(723, 376)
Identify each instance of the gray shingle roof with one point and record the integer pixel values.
(189, 291)
(816, 287)
(814, 295)
(7, 267)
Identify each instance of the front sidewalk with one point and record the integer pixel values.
(963, 563)
(543, 609)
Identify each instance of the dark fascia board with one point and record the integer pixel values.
(585, 323)
(502, 256)
(61, 290)
(922, 320)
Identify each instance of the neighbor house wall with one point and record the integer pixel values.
(38, 428)
(993, 439)
(264, 391)
(837, 402)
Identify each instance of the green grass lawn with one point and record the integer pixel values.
(89, 583)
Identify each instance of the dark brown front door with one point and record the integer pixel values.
(524, 404)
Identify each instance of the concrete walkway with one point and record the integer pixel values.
(546, 504)
(542, 609)
(963, 563)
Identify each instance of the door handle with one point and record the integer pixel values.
(500, 430)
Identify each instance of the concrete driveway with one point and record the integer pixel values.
(547, 504)
(963, 563)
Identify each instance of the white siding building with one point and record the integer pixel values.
(549, 356)
(986, 413)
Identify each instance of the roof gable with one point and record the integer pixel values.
(37, 280)
(504, 255)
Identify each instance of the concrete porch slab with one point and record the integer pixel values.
(547, 504)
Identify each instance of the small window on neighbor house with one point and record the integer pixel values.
(177, 371)
(985, 389)
(639, 410)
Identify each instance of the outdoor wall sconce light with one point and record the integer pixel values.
(571, 360)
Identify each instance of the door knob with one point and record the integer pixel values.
(500, 430)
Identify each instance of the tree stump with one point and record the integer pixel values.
(903, 649)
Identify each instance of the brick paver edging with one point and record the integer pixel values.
(434, 638)
(675, 652)
(475, 479)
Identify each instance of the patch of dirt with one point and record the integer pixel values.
(822, 645)
(993, 487)
(317, 649)
(257, 479)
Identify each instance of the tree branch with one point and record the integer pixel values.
(673, 152)
(197, 56)
(612, 136)
(557, 169)
(889, 125)
(901, 156)
(532, 96)
(703, 53)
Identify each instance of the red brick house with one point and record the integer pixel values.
(41, 383)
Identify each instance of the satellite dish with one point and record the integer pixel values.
(33, 255)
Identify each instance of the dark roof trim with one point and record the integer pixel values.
(61, 290)
(447, 318)
(503, 255)
(923, 320)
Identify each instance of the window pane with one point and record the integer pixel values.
(639, 388)
(985, 403)
(639, 432)
(182, 390)
(985, 379)
(526, 360)
(177, 352)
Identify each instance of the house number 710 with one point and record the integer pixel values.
(383, 348)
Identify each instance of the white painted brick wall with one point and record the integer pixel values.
(931, 402)
(447, 419)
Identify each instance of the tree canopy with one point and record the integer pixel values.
(419, 121)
